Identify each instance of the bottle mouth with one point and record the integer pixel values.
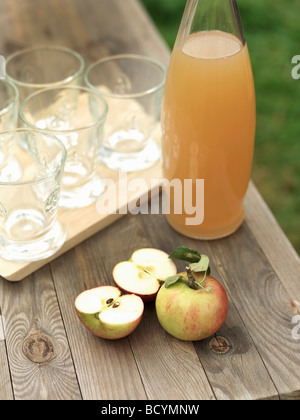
(212, 45)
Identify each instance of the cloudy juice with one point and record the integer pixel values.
(208, 123)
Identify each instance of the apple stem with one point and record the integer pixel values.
(192, 281)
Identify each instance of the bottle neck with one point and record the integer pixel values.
(210, 15)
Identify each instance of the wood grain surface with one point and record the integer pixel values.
(45, 352)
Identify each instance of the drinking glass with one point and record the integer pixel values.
(29, 227)
(2, 67)
(9, 103)
(208, 120)
(132, 86)
(44, 66)
(75, 115)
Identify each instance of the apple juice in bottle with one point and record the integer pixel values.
(209, 117)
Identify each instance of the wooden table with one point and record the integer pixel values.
(45, 353)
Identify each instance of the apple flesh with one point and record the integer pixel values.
(143, 274)
(107, 313)
(189, 314)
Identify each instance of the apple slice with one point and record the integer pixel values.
(107, 313)
(144, 272)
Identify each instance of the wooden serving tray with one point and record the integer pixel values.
(129, 189)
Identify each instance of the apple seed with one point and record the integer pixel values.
(109, 301)
(116, 305)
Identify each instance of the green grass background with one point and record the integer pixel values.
(272, 29)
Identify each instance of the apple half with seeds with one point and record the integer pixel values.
(107, 313)
(144, 273)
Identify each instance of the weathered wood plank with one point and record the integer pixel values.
(268, 323)
(263, 305)
(6, 392)
(233, 375)
(115, 27)
(40, 363)
(161, 359)
(105, 369)
(91, 27)
(277, 248)
(170, 369)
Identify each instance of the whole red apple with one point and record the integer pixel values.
(192, 314)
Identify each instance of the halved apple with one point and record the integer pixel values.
(107, 313)
(144, 273)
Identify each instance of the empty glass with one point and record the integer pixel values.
(2, 67)
(132, 86)
(29, 229)
(75, 115)
(9, 102)
(44, 66)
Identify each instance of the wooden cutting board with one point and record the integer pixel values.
(124, 193)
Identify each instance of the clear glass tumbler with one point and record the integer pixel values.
(132, 86)
(29, 227)
(9, 104)
(75, 115)
(44, 66)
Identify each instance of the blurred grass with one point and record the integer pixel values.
(272, 30)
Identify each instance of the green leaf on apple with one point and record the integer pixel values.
(201, 266)
(186, 254)
(173, 279)
(199, 263)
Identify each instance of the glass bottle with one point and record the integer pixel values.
(208, 121)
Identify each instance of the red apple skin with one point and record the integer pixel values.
(192, 315)
(145, 298)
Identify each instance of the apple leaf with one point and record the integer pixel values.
(199, 263)
(172, 280)
(202, 265)
(186, 254)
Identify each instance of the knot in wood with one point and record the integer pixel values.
(39, 348)
(220, 345)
